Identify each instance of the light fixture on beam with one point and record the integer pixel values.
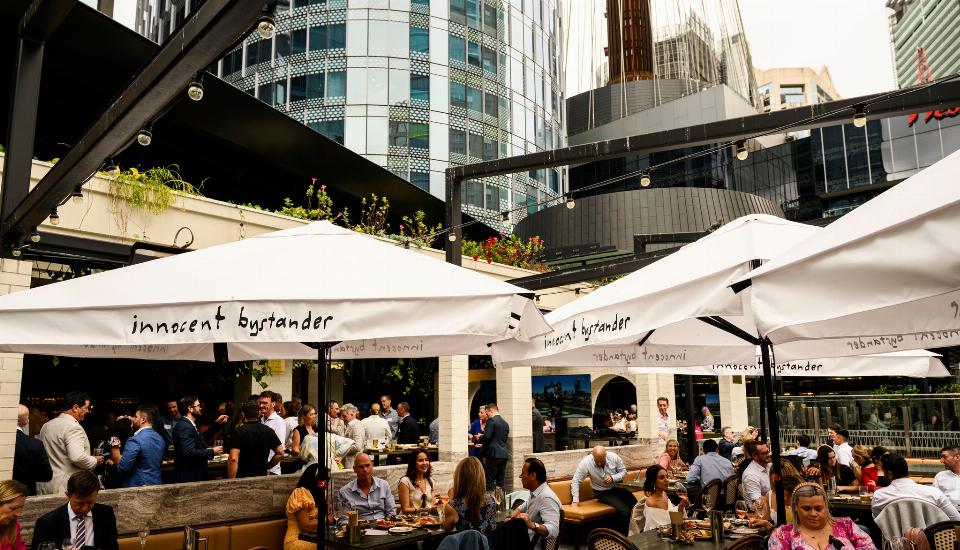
(266, 26)
(645, 180)
(54, 217)
(145, 136)
(452, 237)
(741, 148)
(77, 196)
(34, 235)
(571, 204)
(195, 89)
(505, 218)
(859, 116)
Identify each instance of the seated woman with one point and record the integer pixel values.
(306, 420)
(813, 528)
(13, 495)
(867, 474)
(829, 473)
(670, 459)
(470, 507)
(301, 509)
(415, 486)
(653, 509)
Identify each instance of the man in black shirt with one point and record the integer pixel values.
(250, 446)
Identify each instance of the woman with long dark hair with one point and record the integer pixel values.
(653, 509)
(301, 509)
(415, 486)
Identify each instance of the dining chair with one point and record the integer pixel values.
(942, 535)
(749, 542)
(608, 539)
(731, 487)
(710, 495)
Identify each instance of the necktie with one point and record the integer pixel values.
(81, 537)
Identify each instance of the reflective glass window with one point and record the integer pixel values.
(318, 38)
(315, 86)
(266, 93)
(419, 87)
(489, 60)
(419, 40)
(458, 141)
(473, 53)
(298, 41)
(281, 93)
(457, 48)
(490, 19)
(332, 129)
(419, 135)
(337, 84)
(473, 14)
(474, 99)
(265, 47)
(421, 180)
(457, 95)
(399, 133)
(490, 105)
(251, 54)
(491, 196)
(337, 36)
(458, 11)
(298, 88)
(489, 149)
(476, 146)
(282, 48)
(554, 180)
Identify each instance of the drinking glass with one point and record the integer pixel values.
(67, 544)
(143, 534)
(741, 509)
(417, 504)
(864, 494)
(47, 546)
(497, 496)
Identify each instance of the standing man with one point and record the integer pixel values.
(82, 520)
(709, 466)
(142, 453)
(728, 442)
(66, 443)
(389, 414)
(272, 420)
(376, 427)
(538, 446)
(408, 432)
(947, 481)
(190, 452)
(494, 447)
(169, 419)
(756, 476)
(841, 446)
(30, 462)
(254, 448)
(334, 424)
(603, 469)
(664, 424)
(355, 432)
(541, 511)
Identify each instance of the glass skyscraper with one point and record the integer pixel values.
(416, 86)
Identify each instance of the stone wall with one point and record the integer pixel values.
(14, 277)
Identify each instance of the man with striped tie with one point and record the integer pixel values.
(82, 520)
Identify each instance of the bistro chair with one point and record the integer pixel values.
(710, 495)
(608, 539)
(902, 514)
(731, 488)
(554, 543)
(941, 536)
(749, 542)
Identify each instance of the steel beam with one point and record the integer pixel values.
(590, 272)
(454, 251)
(210, 31)
(943, 95)
(43, 17)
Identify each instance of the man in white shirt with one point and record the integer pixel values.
(604, 468)
(355, 432)
(948, 480)
(376, 427)
(756, 478)
(541, 512)
(270, 418)
(803, 450)
(664, 424)
(388, 414)
(901, 487)
(839, 437)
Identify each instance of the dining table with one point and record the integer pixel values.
(425, 537)
(651, 540)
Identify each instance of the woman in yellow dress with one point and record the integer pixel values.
(302, 510)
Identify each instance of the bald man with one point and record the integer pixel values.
(30, 462)
(604, 469)
(369, 496)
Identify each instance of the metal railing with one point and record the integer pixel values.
(916, 426)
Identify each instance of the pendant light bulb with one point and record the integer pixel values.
(266, 26)
(452, 237)
(195, 90)
(645, 180)
(34, 235)
(54, 217)
(859, 117)
(506, 219)
(145, 137)
(571, 204)
(77, 196)
(741, 148)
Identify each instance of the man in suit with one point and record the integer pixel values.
(409, 431)
(82, 520)
(538, 445)
(142, 453)
(66, 443)
(30, 462)
(189, 450)
(494, 447)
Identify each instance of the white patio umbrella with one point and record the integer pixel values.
(884, 277)
(265, 296)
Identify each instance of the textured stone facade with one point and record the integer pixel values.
(14, 276)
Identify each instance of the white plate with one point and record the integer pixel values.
(402, 530)
(745, 531)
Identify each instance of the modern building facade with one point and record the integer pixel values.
(417, 86)
(925, 39)
(789, 87)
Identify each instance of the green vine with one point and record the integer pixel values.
(151, 190)
(257, 369)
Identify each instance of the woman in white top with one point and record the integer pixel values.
(416, 487)
(653, 510)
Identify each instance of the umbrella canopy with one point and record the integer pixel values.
(884, 277)
(261, 297)
(912, 364)
(652, 317)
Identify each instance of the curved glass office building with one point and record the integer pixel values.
(416, 86)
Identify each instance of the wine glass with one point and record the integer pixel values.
(143, 533)
(497, 496)
(67, 544)
(741, 509)
(417, 504)
(47, 546)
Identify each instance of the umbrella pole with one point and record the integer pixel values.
(774, 429)
(323, 387)
(692, 450)
(762, 392)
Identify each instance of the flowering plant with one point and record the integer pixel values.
(509, 250)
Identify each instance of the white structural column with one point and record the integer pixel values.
(649, 388)
(733, 402)
(14, 277)
(454, 409)
(514, 395)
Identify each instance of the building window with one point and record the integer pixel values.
(490, 19)
(476, 146)
(332, 129)
(419, 40)
(458, 11)
(792, 93)
(458, 49)
(298, 41)
(458, 97)
(419, 87)
(267, 93)
(458, 141)
(298, 88)
(419, 135)
(474, 99)
(318, 37)
(337, 36)
(315, 86)
(399, 133)
(473, 14)
(282, 46)
(490, 105)
(328, 37)
(473, 53)
(489, 149)
(472, 193)
(491, 197)
(337, 84)
(489, 60)
(421, 180)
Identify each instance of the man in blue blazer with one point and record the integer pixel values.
(190, 453)
(142, 454)
(99, 524)
(494, 447)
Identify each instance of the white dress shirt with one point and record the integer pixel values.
(87, 523)
(844, 453)
(663, 424)
(905, 487)
(543, 506)
(588, 469)
(275, 423)
(376, 427)
(756, 483)
(806, 453)
(949, 483)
